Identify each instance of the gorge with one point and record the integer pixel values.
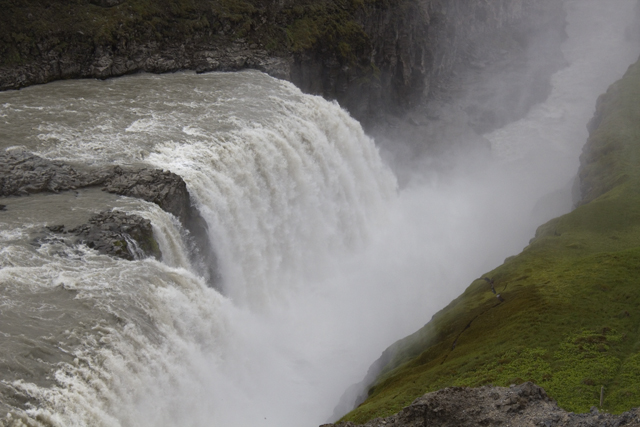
(326, 247)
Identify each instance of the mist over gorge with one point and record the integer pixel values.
(306, 245)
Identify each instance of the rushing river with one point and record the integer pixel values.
(323, 260)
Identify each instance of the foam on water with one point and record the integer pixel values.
(282, 194)
(286, 182)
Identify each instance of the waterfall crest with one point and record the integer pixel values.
(287, 184)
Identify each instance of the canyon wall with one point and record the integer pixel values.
(375, 57)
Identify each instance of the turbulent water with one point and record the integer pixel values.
(323, 261)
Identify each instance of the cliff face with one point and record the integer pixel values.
(411, 49)
(44, 41)
(375, 57)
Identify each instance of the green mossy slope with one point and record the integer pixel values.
(570, 319)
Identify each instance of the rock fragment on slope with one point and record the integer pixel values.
(524, 405)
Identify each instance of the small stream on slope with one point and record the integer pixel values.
(324, 261)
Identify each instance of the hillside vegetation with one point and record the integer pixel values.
(570, 316)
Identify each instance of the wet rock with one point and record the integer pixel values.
(3, 207)
(169, 191)
(164, 188)
(524, 405)
(117, 234)
(109, 232)
(23, 173)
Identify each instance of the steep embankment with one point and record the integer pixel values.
(374, 56)
(566, 311)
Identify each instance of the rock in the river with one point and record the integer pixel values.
(22, 173)
(169, 191)
(117, 234)
(164, 188)
(525, 405)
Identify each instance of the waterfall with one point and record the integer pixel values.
(283, 194)
(290, 188)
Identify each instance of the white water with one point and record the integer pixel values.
(324, 262)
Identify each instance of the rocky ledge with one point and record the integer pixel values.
(117, 234)
(23, 173)
(524, 405)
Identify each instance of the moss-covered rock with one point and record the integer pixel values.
(567, 315)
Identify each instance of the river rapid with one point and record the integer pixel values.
(324, 261)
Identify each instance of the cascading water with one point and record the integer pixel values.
(286, 182)
(323, 262)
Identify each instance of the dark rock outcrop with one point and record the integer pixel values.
(117, 234)
(488, 64)
(23, 173)
(168, 191)
(42, 42)
(416, 52)
(164, 188)
(524, 405)
(153, 57)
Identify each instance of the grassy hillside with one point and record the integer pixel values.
(570, 319)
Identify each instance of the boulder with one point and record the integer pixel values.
(23, 173)
(117, 234)
(524, 405)
(164, 188)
